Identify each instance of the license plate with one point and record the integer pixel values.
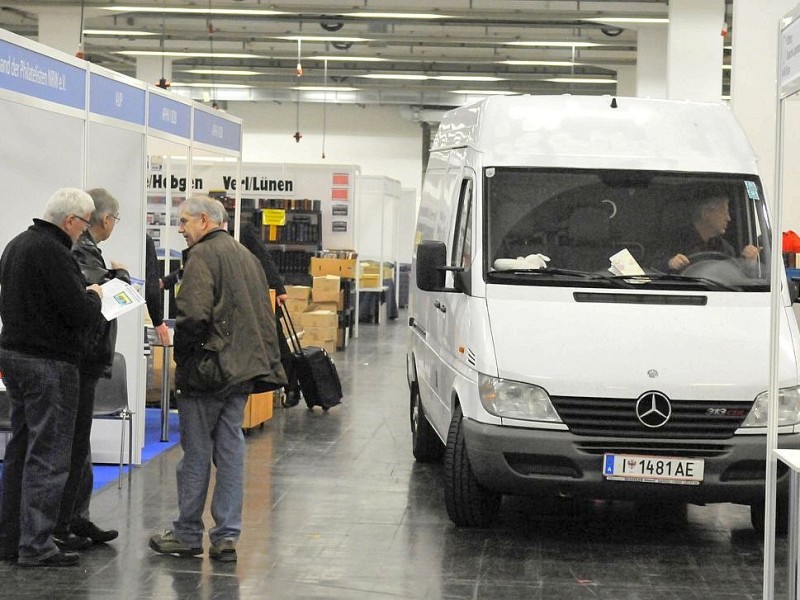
(653, 469)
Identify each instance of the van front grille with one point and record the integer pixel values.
(616, 417)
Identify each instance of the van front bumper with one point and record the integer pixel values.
(519, 461)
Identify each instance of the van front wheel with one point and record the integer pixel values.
(425, 444)
(468, 503)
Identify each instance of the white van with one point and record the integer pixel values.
(590, 307)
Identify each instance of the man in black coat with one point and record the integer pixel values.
(46, 308)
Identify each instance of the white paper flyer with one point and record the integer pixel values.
(119, 298)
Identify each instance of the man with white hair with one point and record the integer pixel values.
(226, 348)
(46, 309)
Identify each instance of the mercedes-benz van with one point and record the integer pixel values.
(590, 306)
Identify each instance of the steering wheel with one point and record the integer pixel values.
(708, 255)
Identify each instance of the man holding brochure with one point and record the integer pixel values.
(74, 530)
(46, 308)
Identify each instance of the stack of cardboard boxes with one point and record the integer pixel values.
(314, 311)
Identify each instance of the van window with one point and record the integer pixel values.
(462, 243)
(606, 228)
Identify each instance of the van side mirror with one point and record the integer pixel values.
(432, 266)
(794, 289)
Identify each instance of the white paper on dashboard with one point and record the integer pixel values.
(119, 298)
(623, 263)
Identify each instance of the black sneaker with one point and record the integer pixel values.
(87, 529)
(59, 559)
(70, 541)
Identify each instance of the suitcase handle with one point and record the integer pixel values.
(295, 341)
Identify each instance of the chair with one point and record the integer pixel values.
(111, 402)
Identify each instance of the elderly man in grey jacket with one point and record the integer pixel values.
(225, 348)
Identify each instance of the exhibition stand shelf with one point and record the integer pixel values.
(68, 123)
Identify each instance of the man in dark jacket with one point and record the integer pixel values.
(75, 529)
(46, 309)
(225, 348)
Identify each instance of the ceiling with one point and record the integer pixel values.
(415, 55)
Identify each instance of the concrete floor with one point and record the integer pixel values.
(336, 508)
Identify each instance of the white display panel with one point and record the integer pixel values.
(35, 161)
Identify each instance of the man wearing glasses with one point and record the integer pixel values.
(46, 308)
(75, 530)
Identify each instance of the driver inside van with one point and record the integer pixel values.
(710, 218)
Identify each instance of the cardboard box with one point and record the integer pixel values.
(370, 281)
(327, 306)
(298, 292)
(343, 267)
(257, 410)
(320, 319)
(319, 334)
(330, 346)
(326, 288)
(296, 308)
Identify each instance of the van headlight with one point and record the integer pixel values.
(788, 408)
(515, 400)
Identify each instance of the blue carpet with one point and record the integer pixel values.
(153, 446)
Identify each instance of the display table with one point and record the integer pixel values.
(258, 410)
(791, 458)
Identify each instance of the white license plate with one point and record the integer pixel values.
(653, 469)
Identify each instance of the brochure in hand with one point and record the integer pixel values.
(119, 298)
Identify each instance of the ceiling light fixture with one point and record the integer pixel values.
(579, 80)
(467, 78)
(631, 20)
(483, 92)
(555, 44)
(395, 76)
(395, 15)
(539, 63)
(196, 11)
(211, 85)
(117, 32)
(232, 72)
(187, 54)
(349, 58)
(322, 88)
(321, 38)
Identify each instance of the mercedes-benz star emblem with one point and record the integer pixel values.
(653, 409)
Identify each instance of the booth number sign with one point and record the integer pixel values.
(273, 216)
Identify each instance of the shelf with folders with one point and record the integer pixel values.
(292, 230)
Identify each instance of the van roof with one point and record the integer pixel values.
(599, 132)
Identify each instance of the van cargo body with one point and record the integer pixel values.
(590, 306)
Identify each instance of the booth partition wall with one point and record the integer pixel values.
(68, 123)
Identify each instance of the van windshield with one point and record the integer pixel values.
(623, 228)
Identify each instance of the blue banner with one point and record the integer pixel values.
(40, 76)
(216, 131)
(112, 98)
(170, 116)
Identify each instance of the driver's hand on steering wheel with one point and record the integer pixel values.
(678, 262)
(750, 253)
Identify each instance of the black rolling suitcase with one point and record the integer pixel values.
(315, 371)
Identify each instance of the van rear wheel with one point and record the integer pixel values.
(425, 444)
(469, 504)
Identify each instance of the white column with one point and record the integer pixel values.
(150, 68)
(754, 93)
(651, 62)
(60, 28)
(626, 81)
(694, 50)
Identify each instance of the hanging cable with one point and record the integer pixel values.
(299, 73)
(162, 83)
(79, 53)
(324, 103)
(299, 69)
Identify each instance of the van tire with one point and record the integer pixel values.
(425, 444)
(781, 517)
(468, 503)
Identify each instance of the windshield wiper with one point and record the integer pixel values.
(711, 283)
(565, 272)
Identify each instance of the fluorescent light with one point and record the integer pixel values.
(348, 58)
(395, 76)
(196, 11)
(186, 54)
(555, 44)
(321, 38)
(210, 85)
(580, 80)
(539, 63)
(467, 78)
(119, 32)
(483, 92)
(726, 67)
(640, 20)
(320, 88)
(219, 72)
(395, 15)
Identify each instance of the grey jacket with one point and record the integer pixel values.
(225, 327)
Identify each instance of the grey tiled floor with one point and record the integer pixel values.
(336, 508)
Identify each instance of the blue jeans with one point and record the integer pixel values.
(44, 400)
(211, 430)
